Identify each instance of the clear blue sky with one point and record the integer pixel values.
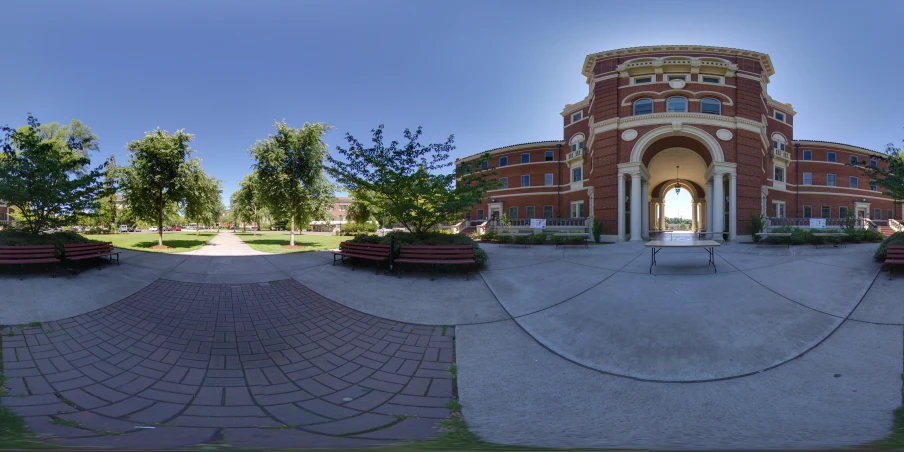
(493, 73)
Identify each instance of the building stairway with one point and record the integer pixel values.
(886, 231)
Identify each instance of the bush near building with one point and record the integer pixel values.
(895, 239)
(359, 228)
(805, 236)
(57, 239)
(430, 238)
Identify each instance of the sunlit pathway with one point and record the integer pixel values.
(226, 244)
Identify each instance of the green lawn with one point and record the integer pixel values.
(180, 242)
(272, 242)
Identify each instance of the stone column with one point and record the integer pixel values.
(662, 216)
(709, 206)
(645, 220)
(635, 207)
(704, 222)
(733, 207)
(693, 216)
(621, 207)
(718, 204)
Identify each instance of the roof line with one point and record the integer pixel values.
(841, 144)
(509, 146)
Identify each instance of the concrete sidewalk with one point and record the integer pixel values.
(225, 243)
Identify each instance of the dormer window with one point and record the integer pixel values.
(706, 79)
(778, 142)
(577, 116)
(676, 105)
(780, 116)
(678, 77)
(640, 80)
(577, 142)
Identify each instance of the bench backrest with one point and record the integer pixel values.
(12, 253)
(366, 249)
(437, 252)
(86, 249)
(895, 252)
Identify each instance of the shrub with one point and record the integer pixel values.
(57, 239)
(576, 240)
(489, 236)
(359, 228)
(559, 239)
(504, 238)
(895, 239)
(757, 225)
(801, 236)
(539, 238)
(522, 239)
(597, 229)
(431, 238)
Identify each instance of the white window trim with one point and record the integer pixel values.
(668, 77)
(503, 184)
(700, 79)
(850, 179)
(521, 158)
(804, 211)
(506, 161)
(549, 176)
(579, 119)
(804, 153)
(785, 115)
(573, 204)
(827, 157)
(652, 78)
(784, 208)
(803, 180)
(827, 180)
(686, 104)
(522, 180)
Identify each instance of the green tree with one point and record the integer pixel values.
(891, 178)
(363, 207)
(158, 175)
(45, 173)
(409, 181)
(289, 165)
(203, 197)
(107, 206)
(247, 202)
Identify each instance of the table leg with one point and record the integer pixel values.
(653, 252)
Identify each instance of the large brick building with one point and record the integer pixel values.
(697, 117)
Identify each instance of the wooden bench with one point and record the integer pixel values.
(368, 251)
(766, 235)
(29, 254)
(84, 251)
(894, 255)
(434, 255)
(830, 234)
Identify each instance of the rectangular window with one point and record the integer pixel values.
(513, 212)
(854, 182)
(830, 180)
(873, 162)
(525, 180)
(638, 80)
(808, 155)
(483, 165)
(677, 77)
(529, 212)
(842, 212)
(854, 160)
(830, 157)
(891, 214)
(547, 211)
(826, 212)
(808, 178)
(503, 161)
(479, 214)
(779, 174)
(710, 79)
(778, 210)
(577, 116)
(503, 182)
(780, 116)
(576, 175)
(525, 158)
(808, 211)
(549, 157)
(873, 186)
(577, 209)
(877, 214)
(548, 179)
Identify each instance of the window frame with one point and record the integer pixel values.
(853, 182)
(503, 182)
(806, 209)
(873, 186)
(530, 212)
(580, 116)
(636, 77)
(831, 180)
(635, 104)
(805, 177)
(484, 165)
(873, 162)
(808, 154)
(682, 77)
(854, 160)
(551, 211)
(721, 80)
(776, 114)
(775, 174)
(842, 211)
(523, 179)
(513, 212)
(877, 213)
(890, 214)
(549, 156)
(822, 212)
(668, 108)
(833, 159)
(525, 156)
(548, 179)
(718, 103)
(580, 210)
(479, 214)
(779, 213)
(579, 169)
(503, 161)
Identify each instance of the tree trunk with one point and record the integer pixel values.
(292, 231)
(160, 226)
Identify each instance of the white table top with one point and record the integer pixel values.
(682, 244)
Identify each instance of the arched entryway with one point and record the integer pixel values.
(652, 170)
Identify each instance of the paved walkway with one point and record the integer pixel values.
(783, 347)
(250, 365)
(225, 244)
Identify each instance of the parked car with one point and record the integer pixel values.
(137, 229)
(124, 228)
(177, 228)
(152, 229)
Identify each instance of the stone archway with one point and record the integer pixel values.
(677, 130)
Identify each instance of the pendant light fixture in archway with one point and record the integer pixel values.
(677, 182)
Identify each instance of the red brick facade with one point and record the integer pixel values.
(647, 103)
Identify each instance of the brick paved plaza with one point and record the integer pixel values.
(249, 365)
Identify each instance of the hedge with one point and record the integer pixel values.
(432, 238)
(805, 236)
(359, 228)
(57, 239)
(895, 239)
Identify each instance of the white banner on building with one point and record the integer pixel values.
(817, 223)
(538, 223)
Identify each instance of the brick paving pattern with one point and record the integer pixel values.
(247, 365)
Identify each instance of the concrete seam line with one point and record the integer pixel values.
(520, 266)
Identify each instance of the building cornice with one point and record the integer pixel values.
(840, 146)
(571, 108)
(513, 147)
(780, 105)
(590, 60)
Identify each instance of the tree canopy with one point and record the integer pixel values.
(203, 200)
(411, 182)
(159, 175)
(45, 173)
(289, 165)
(247, 202)
(890, 179)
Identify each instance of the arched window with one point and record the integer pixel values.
(643, 106)
(711, 106)
(676, 105)
(778, 142)
(577, 142)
